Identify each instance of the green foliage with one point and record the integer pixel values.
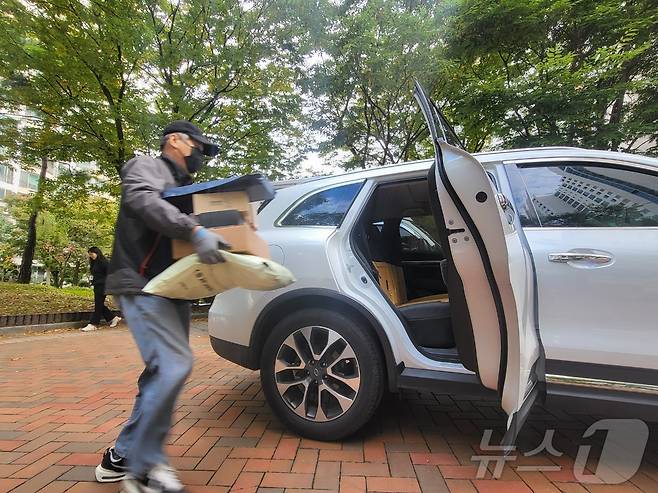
(71, 219)
(230, 68)
(68, 228)
(548, 72)
(363, 83)
(19, 208)
(272, 79)
(509, 74)
(101, 79)
(7, 249)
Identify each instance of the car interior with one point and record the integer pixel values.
(398, 239)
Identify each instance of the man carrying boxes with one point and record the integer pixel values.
(160, 326)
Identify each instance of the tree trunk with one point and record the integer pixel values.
(25, 273)
(76, 273)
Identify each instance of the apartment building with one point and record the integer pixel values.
(15, 179)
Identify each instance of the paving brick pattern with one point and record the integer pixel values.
(64, 397)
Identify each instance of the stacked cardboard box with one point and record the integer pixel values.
(227, 207)
(231, 215)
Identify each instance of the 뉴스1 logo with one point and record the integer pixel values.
(620, 458)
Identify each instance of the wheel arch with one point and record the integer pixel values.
(298, 299)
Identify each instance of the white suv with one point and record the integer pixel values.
(447, 276)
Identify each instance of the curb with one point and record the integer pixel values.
(43, 318)
(41, 328)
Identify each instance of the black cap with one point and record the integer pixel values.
(194, 132)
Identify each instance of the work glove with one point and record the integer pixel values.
(207, 245)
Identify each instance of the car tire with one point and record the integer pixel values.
(336, 417)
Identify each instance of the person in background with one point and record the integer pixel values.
(98, 267)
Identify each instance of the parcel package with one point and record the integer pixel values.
(189, 279)
(228, 207)
(229, 214)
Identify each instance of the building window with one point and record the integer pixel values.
(6, 173)
(29, 180)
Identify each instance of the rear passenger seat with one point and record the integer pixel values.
(428, 317)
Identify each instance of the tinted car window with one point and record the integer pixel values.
(325, 208)
(419, 234)
(524, 205)
(573, 195)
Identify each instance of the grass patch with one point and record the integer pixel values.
(28, 299)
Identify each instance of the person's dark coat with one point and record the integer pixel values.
(98, 269)
(146, 223)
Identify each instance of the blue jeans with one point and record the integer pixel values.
(161, 329)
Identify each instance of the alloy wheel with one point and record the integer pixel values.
(317, 373)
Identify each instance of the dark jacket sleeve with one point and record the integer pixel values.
(98, 271)
(142, 185)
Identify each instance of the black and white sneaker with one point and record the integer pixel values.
(112, 468)
(160, 479)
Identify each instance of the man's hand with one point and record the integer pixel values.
(207, 245)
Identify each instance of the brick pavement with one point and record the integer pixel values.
(64, 397)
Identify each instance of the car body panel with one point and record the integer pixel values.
(237, 310)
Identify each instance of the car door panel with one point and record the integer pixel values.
(593, 229)
(495, 267)
(599, 313)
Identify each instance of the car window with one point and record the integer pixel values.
(325, 208)
(577, 195)
(419, 234)
(525, 207)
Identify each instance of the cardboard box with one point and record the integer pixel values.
(242, 237)
(391, 280)
(223, 201)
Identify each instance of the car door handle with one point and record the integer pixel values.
(563, 258)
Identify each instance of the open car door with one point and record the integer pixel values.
(490, 274)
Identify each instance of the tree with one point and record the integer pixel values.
(70, 220)
(102, 78)
(363, 82)
(74, 66)
(231, 67)
(556, 73)
(75, 221)
(7, 250)
(14, 229)
(54, 247)
(509, 74)
(25, 273)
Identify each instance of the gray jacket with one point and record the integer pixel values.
(146, 223)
